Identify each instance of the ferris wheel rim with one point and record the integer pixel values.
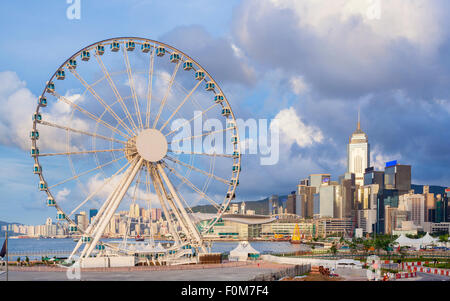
(123, 39)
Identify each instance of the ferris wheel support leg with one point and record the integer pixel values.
(92, 225)
(157, 186)
(174, 209)
(189, 223)
(114, 205)
(99, 217)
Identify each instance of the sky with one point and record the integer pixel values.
(310, 63)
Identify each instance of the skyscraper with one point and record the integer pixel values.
(358, 154)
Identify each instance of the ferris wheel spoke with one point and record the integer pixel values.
(198, 136)
(86, 172)
(185, 220)
(157, 186)
(133, 90)
(90, 115)
(195, 188)
(180, 105)
(149, 89)
(117, 197)
(198, 170)
(81, 152)
(169, 87)
(116, 92)
(192, 119)
(201, 154)
(101, 101)
(98, 217)
(95, 192)
(80, 131)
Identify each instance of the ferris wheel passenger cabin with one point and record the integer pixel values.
(210, 86)
(42, 101)
(100, 49)
(60, 74)
(51, 202)
(85, 55)
(130, 45)
(72, 64)
(37, 117)
(160, 51)
(50, 87)
(36, 169)
(115, 46)
(187, 65)
(199, 75)
(174, 57)
(145, 47)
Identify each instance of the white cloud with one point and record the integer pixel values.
(298, 85)
(339, 48)
(412, 20)
(142, 196)
(378, 159)
(293, 130)
(17, 106)
(62, 195)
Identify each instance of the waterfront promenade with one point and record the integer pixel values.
(231, 271)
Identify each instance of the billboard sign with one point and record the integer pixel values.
(391, 163)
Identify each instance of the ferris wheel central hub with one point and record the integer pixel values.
(151, 145)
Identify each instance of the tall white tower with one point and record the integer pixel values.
(358, 154)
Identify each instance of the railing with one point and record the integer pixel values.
(39, 253)
(341, 255)
(297, 270)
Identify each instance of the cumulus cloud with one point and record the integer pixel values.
(293, 130)
(62, 195)
(298, 85)
(378, 158)
(96, 182)
(224, 60)
(340, 49)
(17, 106)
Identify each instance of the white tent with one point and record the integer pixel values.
(416, 243)
(427, 239)
(243, 251)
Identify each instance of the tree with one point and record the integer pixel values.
(367, 244)
(353, 247)
(18, 260)
(27, 260)
(333, 249)
(443, 238)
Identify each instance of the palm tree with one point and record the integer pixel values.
(333, 249)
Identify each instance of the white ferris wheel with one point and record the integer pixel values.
(117, 125)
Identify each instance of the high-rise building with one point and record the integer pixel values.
(347, 196)
(358, 154)
(316, 180)
(398, 177)
(372, 176)
(92, 212)
(305, 199)
(327, 200)
(290, 203)
(273, 204)
(415, 205)
(134, 210)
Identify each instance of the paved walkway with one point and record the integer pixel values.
(225, 273)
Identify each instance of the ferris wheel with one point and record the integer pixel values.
(132, 121)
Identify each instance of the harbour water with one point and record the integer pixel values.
(31, 247)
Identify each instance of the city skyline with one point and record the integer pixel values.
(315, 96)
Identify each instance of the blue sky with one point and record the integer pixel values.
(311, 62)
